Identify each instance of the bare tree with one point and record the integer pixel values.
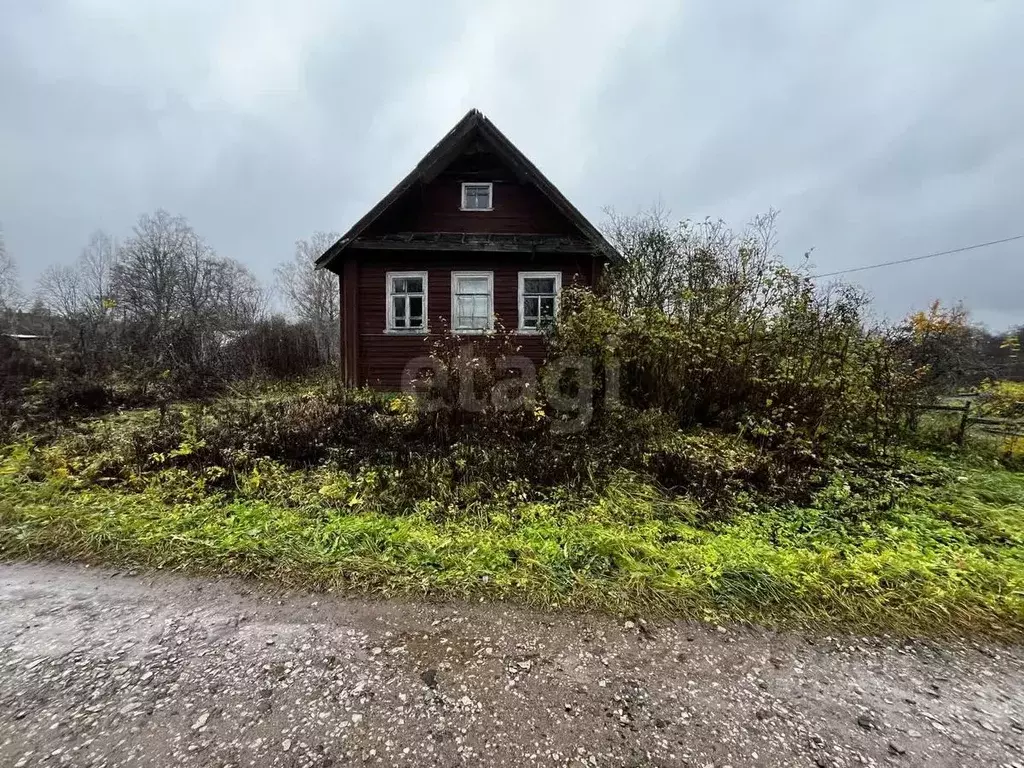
(10, 288)
(59, 290)
(80, 295)
(84, 287)
(240, 297)
(149, 275)
(182, 300)
(96, 271)
(692, 268)
(651, 273)
(312, 294)
(164, 304)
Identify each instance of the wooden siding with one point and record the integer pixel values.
(349, 287)
(436, 207)
(382, 356)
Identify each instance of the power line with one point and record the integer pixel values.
(921, 258)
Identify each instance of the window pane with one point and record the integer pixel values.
(472, 312)
(415, 322)
(539, 285)
(477, 196)
(471, 285)
(538, 297)
(407, 285)
(472, 302)
(416, 306)
(398, 304)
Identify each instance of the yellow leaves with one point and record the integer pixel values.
(400, 404)
(938, 321)
(1003, 399)
(187, 448)
(331, 491)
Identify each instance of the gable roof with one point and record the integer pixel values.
(444, 152)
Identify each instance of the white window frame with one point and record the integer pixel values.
(490, 195)
(490, 292)
(390, 294)
(523, 277)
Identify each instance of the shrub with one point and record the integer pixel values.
(290, 446)
(804, 378)
(1002, 399)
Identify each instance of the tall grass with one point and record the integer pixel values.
(944, 559)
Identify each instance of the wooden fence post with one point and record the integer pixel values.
(962, 434)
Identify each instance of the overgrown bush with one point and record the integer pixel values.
(295, 445)
(790, 370)
(19, 366)
(1002, 399)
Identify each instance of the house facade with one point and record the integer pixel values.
(474, 236)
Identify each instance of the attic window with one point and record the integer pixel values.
(477, 196)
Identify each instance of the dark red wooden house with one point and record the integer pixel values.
(473, 235)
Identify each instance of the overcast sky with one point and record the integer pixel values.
(881, 130)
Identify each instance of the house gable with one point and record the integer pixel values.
(434, 206)
(529, 214)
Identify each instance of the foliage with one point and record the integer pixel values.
(1002, 399)
(735, 340)
(417, 448)
(794, 373)
(158, 314)
(944, 346)
(734, 443)
(947, 557)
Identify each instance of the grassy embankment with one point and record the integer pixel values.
(944, 552)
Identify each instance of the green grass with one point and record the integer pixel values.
(945, 558)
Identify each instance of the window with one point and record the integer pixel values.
(472, 301)
(407, 301)
(538, 299)
(477, 197)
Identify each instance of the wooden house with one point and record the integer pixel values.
(473, 235)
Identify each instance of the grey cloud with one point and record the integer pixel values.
(881, 130)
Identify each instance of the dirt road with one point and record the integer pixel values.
(105, 669)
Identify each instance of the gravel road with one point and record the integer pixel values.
(99, 668)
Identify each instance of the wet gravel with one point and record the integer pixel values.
(99, 668)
